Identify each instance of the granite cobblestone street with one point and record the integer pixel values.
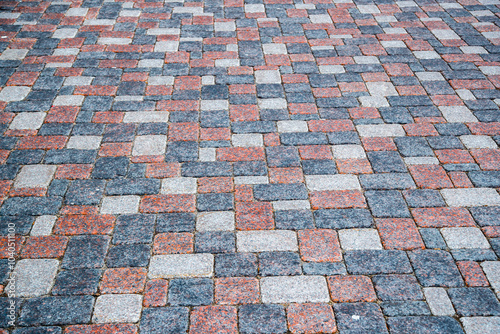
(249, 166)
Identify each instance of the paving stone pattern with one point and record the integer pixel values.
(251, 166)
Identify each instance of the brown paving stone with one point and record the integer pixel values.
(236, 290)
(214, 319)
(123, 280)
(399, 233)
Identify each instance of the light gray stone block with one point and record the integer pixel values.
(464, 237)
(43, 225)
(34, 277)
(294, 289)
(179, 185)
(35, 176)
(149, 145)
(439, 302)
(120, 204)
(124, 308)
(27, 121)
(483, 325)
(332, 182)
(181, 265)
(356, 239)
(266, 241)
(215, 221)
(14, 93)
(84, 142)
(471, 196)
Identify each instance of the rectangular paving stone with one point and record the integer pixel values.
(332, 182)
(471, 197)
(117, 308)
(370, 262)
(56, 311)
(298, 289)
(34, 277)
(266, 241)
(181, 265)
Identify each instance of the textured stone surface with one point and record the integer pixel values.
(299, 289)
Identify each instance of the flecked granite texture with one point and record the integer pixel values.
(251, 166)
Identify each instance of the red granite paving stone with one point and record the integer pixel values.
(294, 78)
(351, 87)
(488, 159)
(491, 231)
(115, 149)
(215, 134)
(108, 117)
(74, 224)
(442, 217)
(399, 233)
(101, 329)
(446, 100)
(410, 90)
(234, 154)
(471, 84)
(79, 210)
(330, 125)
(242, 89)
(490, 129)
(183, 131)
(173, 243)
(354, 166)
(351, 289)
(73, 171)
(66, 114)
(4, 189)
(312, 152)
(472, 273)
(302, 108)
(155, 293)
(214, 319)
(420, 130)
(4, 154)
(215, 185)
(375, 77)
(340, 199)
(159, 90)
(460, 180)
(254, 216)
(454, 156)
(163, 170)
(326, 92)
(311, 318)
(244, 112)
(243, 193)
(123, 280)
(49, 246)
(167, 203)
(95, 90)
(6, 246)
(397, 69)
(430, 176)
(364, 112)
(25, 192)
(41, 142)
(236, 290)
(286, 175)
(20, 133)
(319, 245)
(379, 144)
(22, 79)
(272, 139)
(136, 76)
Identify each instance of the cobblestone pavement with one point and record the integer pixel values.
(250, 166)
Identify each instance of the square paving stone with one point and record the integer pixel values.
(387, 204)
(131, 229)
(85, 252)
(133, 255)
